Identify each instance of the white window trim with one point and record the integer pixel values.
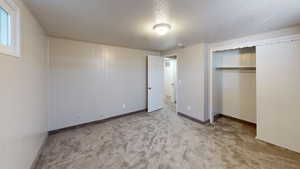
(15, 49)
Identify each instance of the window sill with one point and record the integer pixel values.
(10, 52)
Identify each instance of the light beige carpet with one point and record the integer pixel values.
(163, 140)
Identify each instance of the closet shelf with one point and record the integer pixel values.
(237, 67)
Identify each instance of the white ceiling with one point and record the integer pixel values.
(129, 23)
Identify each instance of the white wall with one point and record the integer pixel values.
(192, 87)
(235, 90)
(278, 90)
(23, 98)
(92, 82)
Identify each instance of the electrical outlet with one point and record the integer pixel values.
(189, 108)
(124, 106)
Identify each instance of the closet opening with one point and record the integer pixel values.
(234, 84)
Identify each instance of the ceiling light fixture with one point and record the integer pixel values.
(162, 28)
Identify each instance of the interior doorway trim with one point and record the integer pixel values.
(269, 41)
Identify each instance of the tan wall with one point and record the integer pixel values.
(92, 81)
(23, 97)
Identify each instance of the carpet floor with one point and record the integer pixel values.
(163, 140)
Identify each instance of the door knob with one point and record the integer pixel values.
(149, 88)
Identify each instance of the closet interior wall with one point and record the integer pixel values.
(235, 83)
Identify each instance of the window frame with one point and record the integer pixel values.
(14, 12)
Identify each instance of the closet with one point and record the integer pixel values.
(234, 83)
(260, 85)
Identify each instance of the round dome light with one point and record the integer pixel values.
(162, 28)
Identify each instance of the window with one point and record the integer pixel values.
(5, 27)
(9, 28)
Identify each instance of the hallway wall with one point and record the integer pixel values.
(192, 80)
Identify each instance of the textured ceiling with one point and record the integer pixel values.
(129, 23)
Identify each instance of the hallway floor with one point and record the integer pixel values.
(163, 140)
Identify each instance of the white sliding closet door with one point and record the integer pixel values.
(278, 94)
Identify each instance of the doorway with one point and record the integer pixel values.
(170, 79)
(162, 83)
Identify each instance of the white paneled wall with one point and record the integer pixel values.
(91, 82)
